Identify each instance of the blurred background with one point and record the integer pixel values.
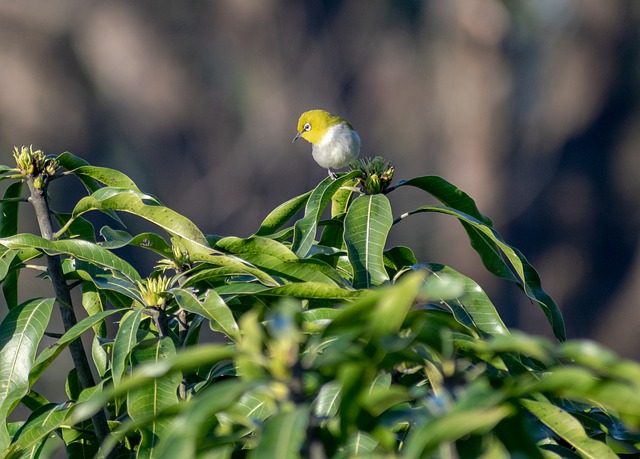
(531, 107)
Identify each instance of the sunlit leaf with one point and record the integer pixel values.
(569, 429)
(304, 232)
(367, 224)
(20, 333)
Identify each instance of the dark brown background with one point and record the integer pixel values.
(529, 106)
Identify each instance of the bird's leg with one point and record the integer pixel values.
(332, 174)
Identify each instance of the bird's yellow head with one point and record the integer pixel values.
(314, 124)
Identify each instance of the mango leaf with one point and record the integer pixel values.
(70, 162)
(115, 239)
(124, 343)
(366, 227)
(304, 230)
(235, 263)
(281, 214)
(144, 206)
(278, 260)
(182, 438)
(359, 444)
(451, 426)
(48, 355)
(79, 228)
(20, 333)
(9, 209)
(148, 400)
(472, 308)
(283, 435)
(38, 427)
(185, 361)
(569, 429)
(327, 402)
(527, 277)
(109, 177)
(82, 250)
(212, 307)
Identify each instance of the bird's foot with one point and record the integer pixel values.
(332, 174)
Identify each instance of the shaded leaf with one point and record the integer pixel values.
(212, 307)
(283, 435)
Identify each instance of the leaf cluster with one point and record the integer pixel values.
(328, 342)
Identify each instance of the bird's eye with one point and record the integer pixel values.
(307, 127)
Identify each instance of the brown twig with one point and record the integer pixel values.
(54, 266)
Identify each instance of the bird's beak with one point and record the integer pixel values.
(296, 137)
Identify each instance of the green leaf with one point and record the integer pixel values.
(367, 224)
(197, 414)
(144, 206)
(150, 399)
(283, 435)
(569, 429)
(185, 361)
(451, 426)
(239, 266)
(281, 214)
(124, 343)
(304, 231)
(212, 307)
(115, 239)
(494, 246)
(20, 333)
(70, 162)
(82, 250)
(327, 402)
(278, 260)
(48, 355)
(79, 228)
(9, 208)
(472, 308)
(448, 194)
(35, 431)
(109, 177)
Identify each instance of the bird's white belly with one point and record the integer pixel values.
(338, 148)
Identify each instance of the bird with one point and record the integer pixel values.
(334, 142)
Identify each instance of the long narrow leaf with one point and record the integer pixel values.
(283, 436)
(527, 277)
(213, 308)
(281, 214)
(20, 333)
(124, 343)
(569, 429)
(278, 260)
(82, 250)
(304, 231)
(149, 400)
(47, 356)
(367, 225)
(143, 206)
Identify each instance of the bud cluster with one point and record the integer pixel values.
(153, 291)
(377, 174)
(34, 163)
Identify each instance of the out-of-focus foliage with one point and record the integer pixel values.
(332, 342)
(530, 106)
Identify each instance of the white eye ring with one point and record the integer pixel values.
(307, 127)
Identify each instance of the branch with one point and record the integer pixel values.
(54, 267)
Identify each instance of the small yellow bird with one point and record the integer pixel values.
(334, 141)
